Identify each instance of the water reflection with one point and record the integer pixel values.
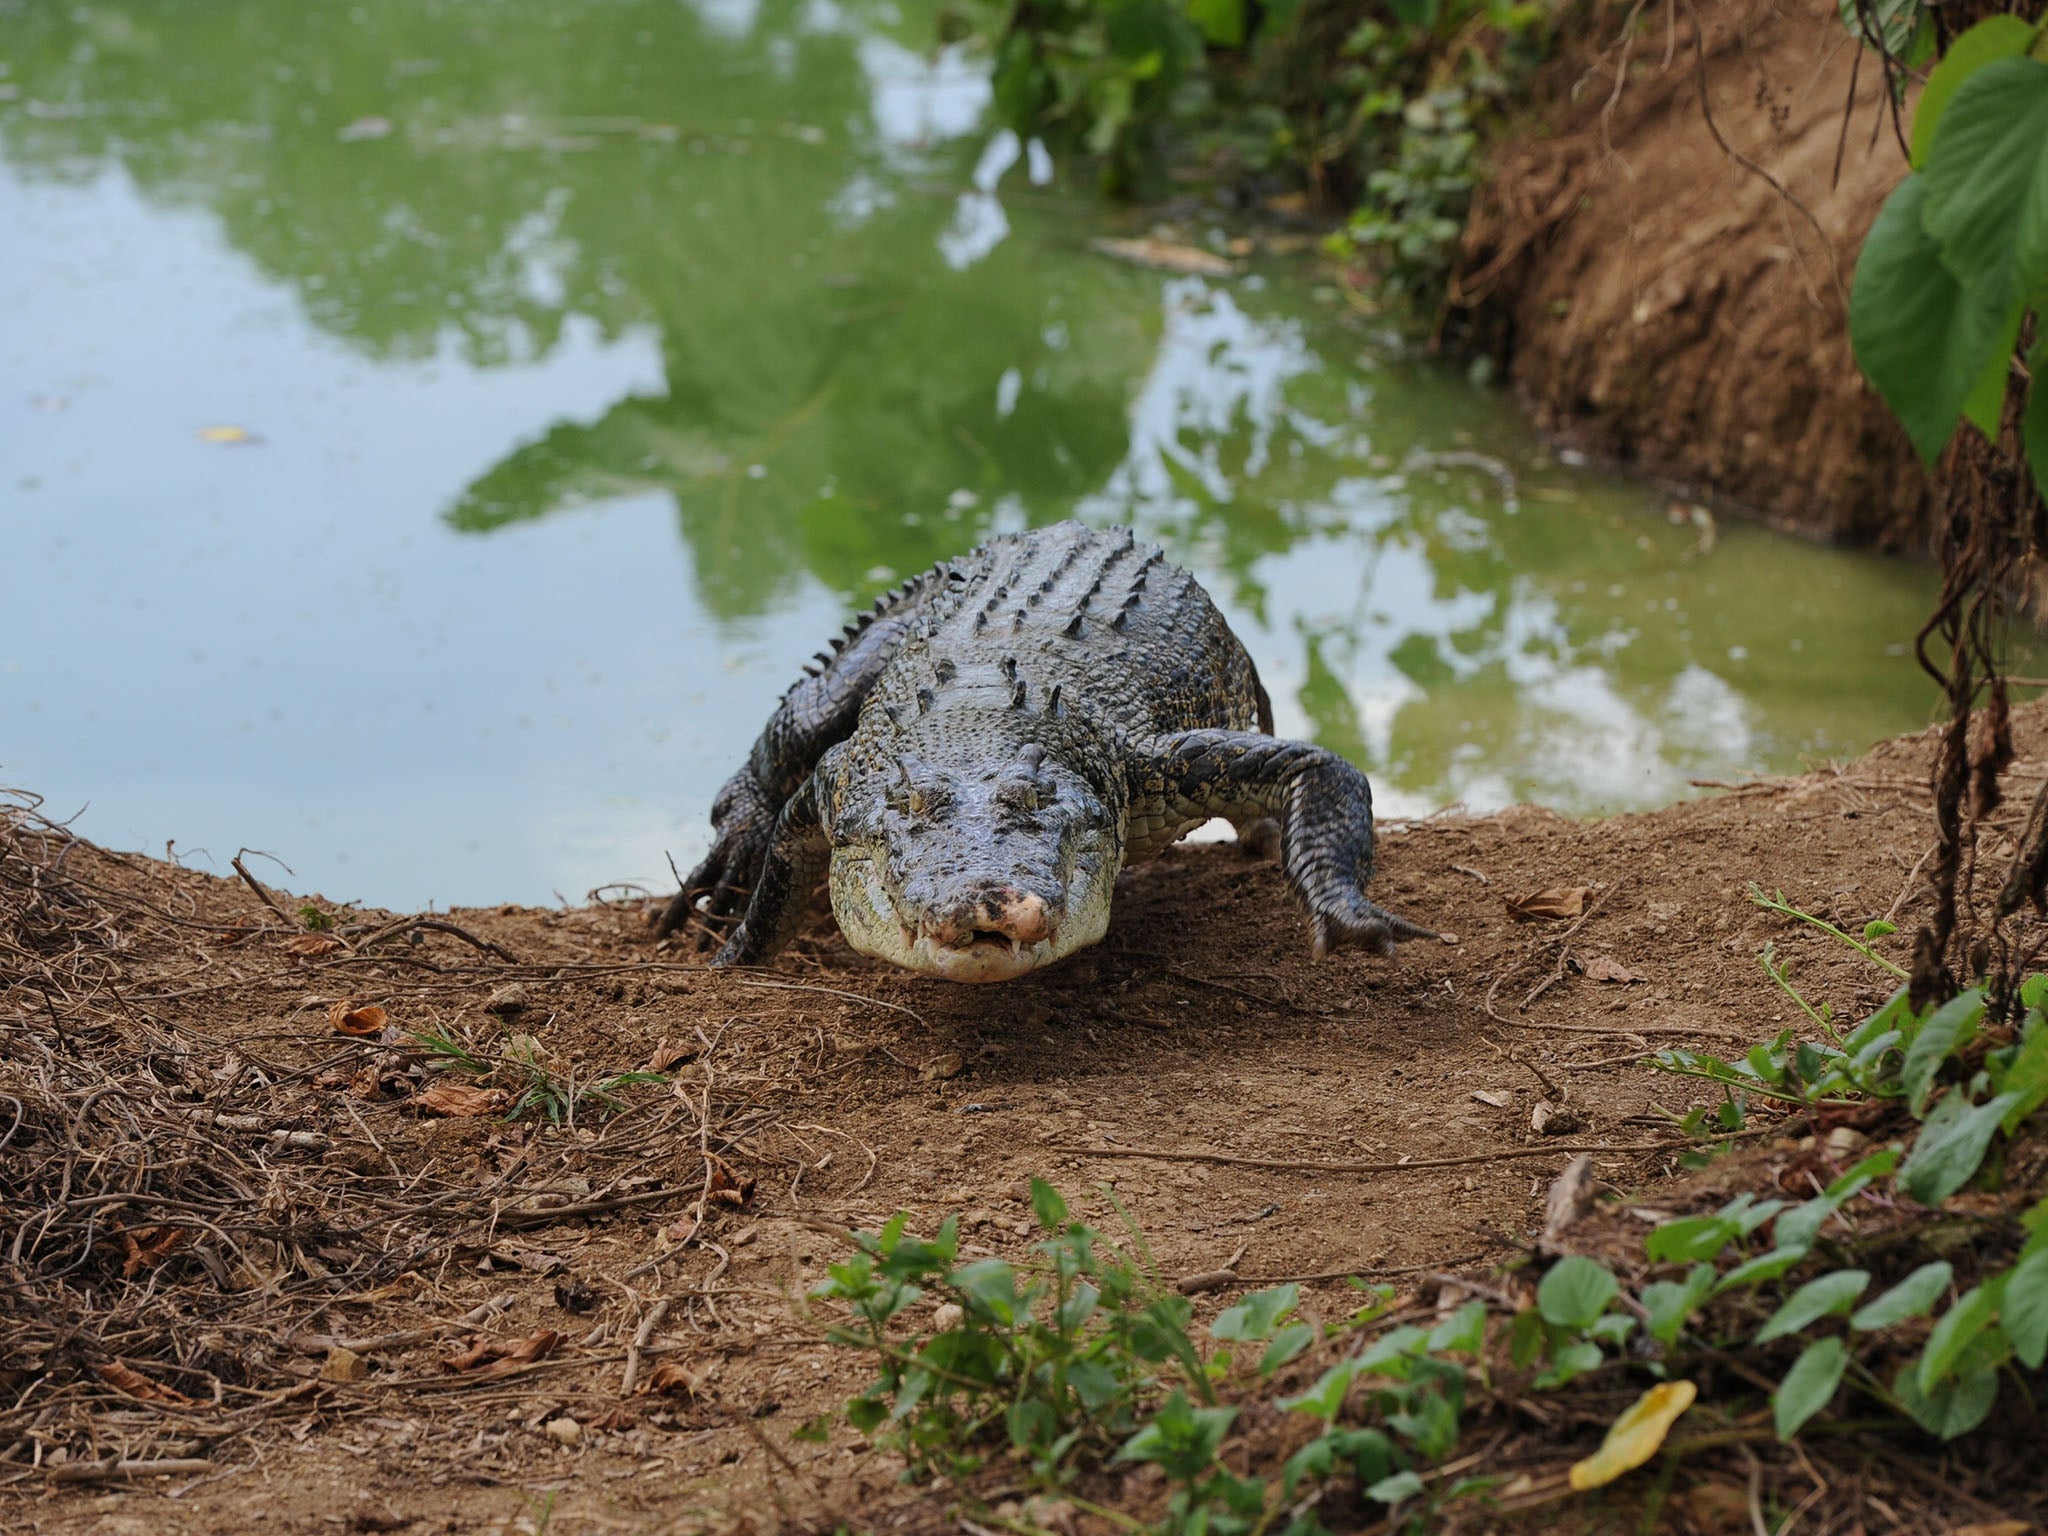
(521, 300)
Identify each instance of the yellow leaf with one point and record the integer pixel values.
(1634, 1438)
(226, 435)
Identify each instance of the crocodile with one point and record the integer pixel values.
(979, 755)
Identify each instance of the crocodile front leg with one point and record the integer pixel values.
(1324, 806)
(817, 713)
(795, 861)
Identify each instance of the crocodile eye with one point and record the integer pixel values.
(1025, 792)
(919, 800)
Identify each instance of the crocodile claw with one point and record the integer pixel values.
(1366, 925)
(719, 888)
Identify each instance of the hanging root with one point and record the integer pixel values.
(1997, 533)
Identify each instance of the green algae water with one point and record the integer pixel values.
(432, 434)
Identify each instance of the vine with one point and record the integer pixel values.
(1949, 285)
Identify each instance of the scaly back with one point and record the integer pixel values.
(1072, 621)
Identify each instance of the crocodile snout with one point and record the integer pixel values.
(1005, 914)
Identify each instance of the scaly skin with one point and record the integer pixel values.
(984, 752)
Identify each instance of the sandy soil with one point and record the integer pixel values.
(831, 1092)
(1669, 308)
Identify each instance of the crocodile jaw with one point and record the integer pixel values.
(874, 924)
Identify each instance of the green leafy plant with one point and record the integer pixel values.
(1965, 1093)
(1948, 1386)
(1078, 1359)
(1958, 256)
(1424, 84)
(1104, 78)
(1395, 120)
(1570, 1323)
(1940, 1068)
(1054, 1361)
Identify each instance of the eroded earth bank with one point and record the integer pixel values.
(1663, 252)
(258, 1236)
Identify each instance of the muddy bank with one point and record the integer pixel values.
(256, 1255)
(1677, 305)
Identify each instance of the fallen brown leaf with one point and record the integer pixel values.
(490, 1358)
(347, 1019)
(343, 1364)
(1165, 256)
(1607, 968)
(147, 1247)
(1552, 904)
(310, 944)
(727, 1186)
(671, 1378)
(670, 1053)
(139, 1386)
(463, 1100)
(616, 1418)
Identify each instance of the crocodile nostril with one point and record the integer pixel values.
(946, 936)
(1014, 914)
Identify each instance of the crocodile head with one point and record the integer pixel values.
(971, 873)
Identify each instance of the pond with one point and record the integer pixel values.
(432, 435)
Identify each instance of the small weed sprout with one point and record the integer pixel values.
(524, 1069)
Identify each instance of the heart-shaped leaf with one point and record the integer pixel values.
(1809, 1386)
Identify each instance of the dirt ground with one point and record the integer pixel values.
(1678, 305)
(278, 1283)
